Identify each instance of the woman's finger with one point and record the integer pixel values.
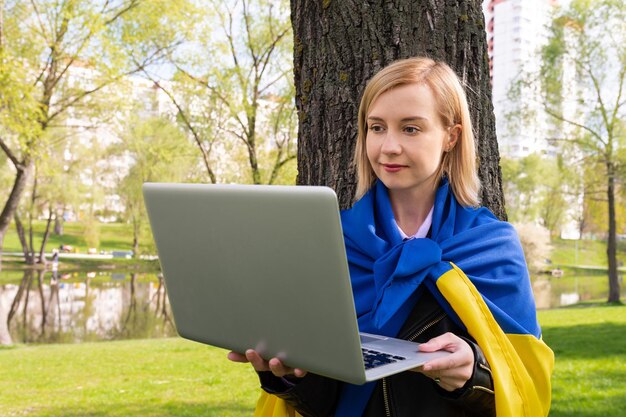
(462, 355)
(459, 359)
(258, 363)
(453, 371)
(237, 357)
(447, 341)
(278, 369)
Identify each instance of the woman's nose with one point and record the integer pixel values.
(390, 144)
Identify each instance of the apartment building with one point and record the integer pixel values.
(516, 30)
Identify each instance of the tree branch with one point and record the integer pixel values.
(70, 101)
(215, 91)
(619, 96)
(266, 55)
(41, 25)
(10, 154)
(571, 122)
(246, 19)
(231, 43)
(131, 5)
(187, 122)
(238, 135)
(597, 88)
(263, 89)
(278, 165)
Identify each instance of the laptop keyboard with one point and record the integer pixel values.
(373, 358)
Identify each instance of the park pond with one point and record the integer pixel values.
(39, 307)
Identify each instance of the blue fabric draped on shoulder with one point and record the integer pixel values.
(388, 274)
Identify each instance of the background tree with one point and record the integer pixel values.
(582, 81)
(338, 46)
(535, 240)
(160, 152)
(595, 214)
(534, 187)
(233, 90)
(56, 55)
(520, 178)
(56, 184)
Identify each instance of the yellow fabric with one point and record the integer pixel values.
(521, 364)
(270, 405)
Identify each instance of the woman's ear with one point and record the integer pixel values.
(454, 134)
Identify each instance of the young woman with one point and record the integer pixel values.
(427, 265)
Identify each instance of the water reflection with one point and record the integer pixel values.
(46, 308)
(571, 288)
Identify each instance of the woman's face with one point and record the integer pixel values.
(406, 139)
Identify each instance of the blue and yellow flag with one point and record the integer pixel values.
(475, 267)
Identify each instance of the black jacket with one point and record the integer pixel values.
(405, 394)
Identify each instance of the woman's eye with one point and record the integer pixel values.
(376, 128)
(411, 130)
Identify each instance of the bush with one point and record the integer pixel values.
(536, 244)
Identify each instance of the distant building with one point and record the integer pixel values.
(132, 95)
(516, 30)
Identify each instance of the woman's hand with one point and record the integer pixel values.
(259, 364)
(453, 371)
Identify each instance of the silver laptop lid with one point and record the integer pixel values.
(260, 267)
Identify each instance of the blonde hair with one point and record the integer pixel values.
(459, 164)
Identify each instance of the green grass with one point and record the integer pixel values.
(586, 252)
(113, 236)
(118, 236)
(590, 373)
(174, 377)
(82, 264)
(151, 378)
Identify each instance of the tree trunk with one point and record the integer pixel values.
(23, 288)
(28, 259)
(252, 147)
(42, 297)
(58, 222)
(611, 248)
(44, 240)
(136, 231)
(338, 46)
(10, 207)
(33, 199)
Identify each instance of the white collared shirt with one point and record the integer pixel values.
(423, 229)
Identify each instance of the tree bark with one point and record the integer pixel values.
(44, 239)
(611, 248)
(28, 258)
(339, 45)
(24, 287)
(10, 207)
(42, 297)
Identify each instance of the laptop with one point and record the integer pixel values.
(265, 267)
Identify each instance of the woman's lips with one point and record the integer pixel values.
(393, 167)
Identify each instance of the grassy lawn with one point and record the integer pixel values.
(174, 377)
(118, 236)
(587, 252)
(151, 378)
(113, 236)
(590, 375)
